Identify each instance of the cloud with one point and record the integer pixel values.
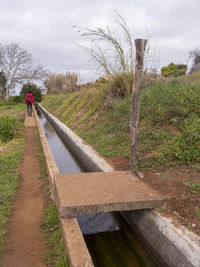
(45, 28)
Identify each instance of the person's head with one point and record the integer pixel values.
(29, 91)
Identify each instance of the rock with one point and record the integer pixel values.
(139, 174)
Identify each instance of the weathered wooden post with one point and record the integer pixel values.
(140, 45)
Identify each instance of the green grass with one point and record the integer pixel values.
(193, 186)
(9, 181)
(10, 159)
(52, 232)
(11, 110)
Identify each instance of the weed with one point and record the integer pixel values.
(193, 186)
(7, 129)
(196, 166)
(189, 227)
(197, 213)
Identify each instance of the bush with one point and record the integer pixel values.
(174, 70)
(17, 99)
(122, 84)
(7, 129)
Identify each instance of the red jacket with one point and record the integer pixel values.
(29, 98)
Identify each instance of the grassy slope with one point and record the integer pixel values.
(168, 111)
(169, 135)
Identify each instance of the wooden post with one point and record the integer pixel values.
(140, 45)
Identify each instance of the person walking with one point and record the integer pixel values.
(29, 101)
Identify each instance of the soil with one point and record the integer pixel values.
(181, 203)
(26, 246)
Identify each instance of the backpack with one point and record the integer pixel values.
(28, 98)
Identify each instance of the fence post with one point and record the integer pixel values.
(140, 45)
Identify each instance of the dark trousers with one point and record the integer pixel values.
(29, 108)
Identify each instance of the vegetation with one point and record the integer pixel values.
(169, 120)
(7, 129)
(9, 180)
(10, 158)
(174, 70)
(61, 83)
(35, 91)
(53, 233)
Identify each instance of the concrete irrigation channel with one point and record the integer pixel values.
(160, 242)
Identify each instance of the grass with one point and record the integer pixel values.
(193, 186)
(11, 110)
(55, 255)
(10, 159)
(9, 181)
(52, 232)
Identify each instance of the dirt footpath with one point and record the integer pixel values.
(26, 246)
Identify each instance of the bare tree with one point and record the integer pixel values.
(195, 56)
(17, 65)
(3, 82)
(135, 103)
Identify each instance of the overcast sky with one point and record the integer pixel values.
(45, 28)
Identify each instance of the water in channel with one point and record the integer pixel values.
(109, 238)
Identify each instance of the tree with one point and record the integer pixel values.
(35, 90)
(173, 70)
(195, 56)
(3, 82)
(17, 65)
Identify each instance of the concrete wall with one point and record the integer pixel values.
(90, 159)
(75, 246)
(173, 244)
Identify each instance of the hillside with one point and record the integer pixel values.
(169, 152)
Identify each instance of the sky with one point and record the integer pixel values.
(45, 29)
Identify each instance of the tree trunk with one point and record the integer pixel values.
(140, 45)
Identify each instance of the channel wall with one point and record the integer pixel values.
(174, 245)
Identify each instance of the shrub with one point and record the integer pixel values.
(7, 129)
(122, 84)
(173, 70)
(17, 99)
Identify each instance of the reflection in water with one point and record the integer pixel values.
(108, 236)
(111, 242)
(64, 159)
